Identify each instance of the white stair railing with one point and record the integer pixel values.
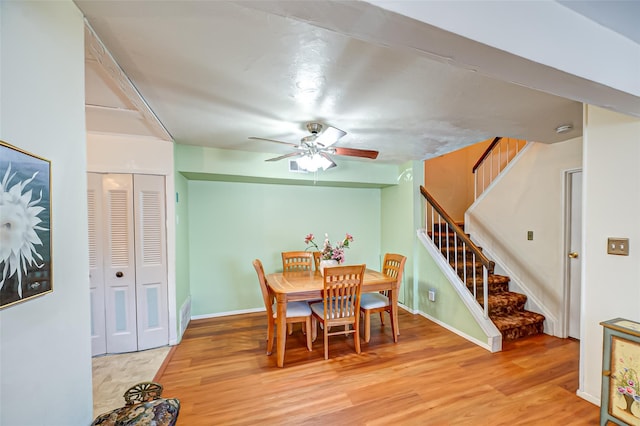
(439, 223)
(496, 157)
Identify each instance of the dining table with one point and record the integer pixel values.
(308, 285)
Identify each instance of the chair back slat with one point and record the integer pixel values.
(297, 261)
(342, 287)
(393, 266)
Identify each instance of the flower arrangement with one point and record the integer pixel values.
(627, 383)
(329, 251)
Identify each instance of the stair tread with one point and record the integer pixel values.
(494, 278)
(504, 298)
(517, 319)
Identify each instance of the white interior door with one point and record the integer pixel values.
(151, 264)
(119, 264)
(96, 268)
(575, 258)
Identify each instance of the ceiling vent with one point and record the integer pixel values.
(295, 167)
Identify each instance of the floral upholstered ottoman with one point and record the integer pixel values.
(144, 407)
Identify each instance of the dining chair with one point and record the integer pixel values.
(297, 261)
(340, 306)
(316, 259)
(296, 311)
(393, 266)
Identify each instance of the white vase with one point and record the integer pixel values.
(327, 263)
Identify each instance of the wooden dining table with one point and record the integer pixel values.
(308, 285)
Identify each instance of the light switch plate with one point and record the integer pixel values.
(618, 246)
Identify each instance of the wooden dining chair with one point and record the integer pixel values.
(316, 259)
(297, 261)
(296, 311)
(341, 303)
(393, 265)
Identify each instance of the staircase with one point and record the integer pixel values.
(506, 308)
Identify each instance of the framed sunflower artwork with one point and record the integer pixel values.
(25, 226)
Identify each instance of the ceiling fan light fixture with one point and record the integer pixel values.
(312, 163)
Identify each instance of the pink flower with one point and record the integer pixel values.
(329, 251)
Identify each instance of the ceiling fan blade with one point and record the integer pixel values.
(272, 140)
(282, 157)
(353, 152)
(329, 136)
(325, 155)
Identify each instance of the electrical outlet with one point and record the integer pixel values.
(432, 295)
(530, 235)
(618, 246)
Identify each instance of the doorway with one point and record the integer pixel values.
(573, 258)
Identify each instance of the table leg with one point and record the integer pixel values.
(281, 327)
(394, 314)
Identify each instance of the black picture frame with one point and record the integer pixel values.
(25, 226)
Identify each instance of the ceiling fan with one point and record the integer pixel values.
(313, 151)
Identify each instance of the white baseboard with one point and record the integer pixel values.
(229, 313)
(485, 345)
(588, 397)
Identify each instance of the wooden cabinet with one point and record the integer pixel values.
(620, 398)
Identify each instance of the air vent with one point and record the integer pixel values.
(295, 168)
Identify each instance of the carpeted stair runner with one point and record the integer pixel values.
(506, 308)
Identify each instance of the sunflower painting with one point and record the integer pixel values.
(25, 225)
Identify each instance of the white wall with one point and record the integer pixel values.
(529, 197)
(611, 208)
(110, 153)
(45, 350)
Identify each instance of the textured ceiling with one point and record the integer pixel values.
(215, 73)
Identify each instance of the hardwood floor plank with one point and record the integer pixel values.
(222, 376)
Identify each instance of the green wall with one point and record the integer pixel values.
(448, 308)
(232, 223)
(398, 231)
(239, 208)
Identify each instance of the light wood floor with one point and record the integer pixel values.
(222, 376)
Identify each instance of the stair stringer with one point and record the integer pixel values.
(494, 337)
(533, 303)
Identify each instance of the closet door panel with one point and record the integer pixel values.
(151, 264)
(119, 264)
(96, 268)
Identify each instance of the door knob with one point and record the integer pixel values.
(119, 274)
(573, 255)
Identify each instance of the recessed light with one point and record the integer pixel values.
(564, 128)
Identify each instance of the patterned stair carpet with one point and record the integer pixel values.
(506, 308)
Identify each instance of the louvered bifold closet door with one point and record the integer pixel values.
(151, 264)
(96, 266)
(119, 264)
